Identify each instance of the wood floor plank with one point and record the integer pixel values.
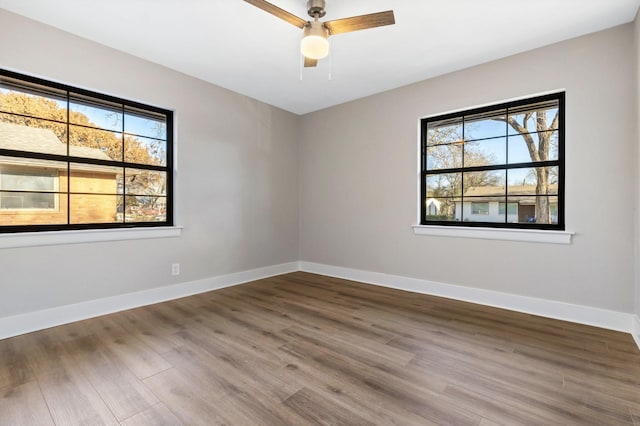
(189, 403)
(23, 405)
(14, 365)
(72, 400)
(140, 324)
(303, 349)
(318, 410)
(119, 388)
(487, 422)
(129, 349)
(473, 383)
(352, 394)
(231, 368)
(68, 393)
(423, 399)
(368, 351)
(158, 415)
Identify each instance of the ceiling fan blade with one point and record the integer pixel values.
(280, 13)
(308, 62)
(362, 22)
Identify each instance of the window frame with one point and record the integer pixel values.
(502, 106)
(72, 94)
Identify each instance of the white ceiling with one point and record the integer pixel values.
(237, 46)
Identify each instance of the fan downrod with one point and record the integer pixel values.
(316, 8)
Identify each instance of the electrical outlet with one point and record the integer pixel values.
(175, 269)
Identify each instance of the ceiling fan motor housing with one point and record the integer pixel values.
(316, 8)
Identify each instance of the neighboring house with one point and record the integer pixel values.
(490, 205)
(433, 207)
(34, 191)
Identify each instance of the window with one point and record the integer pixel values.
(479, 208)
(27, 190)
(499, 166)
(75, 159)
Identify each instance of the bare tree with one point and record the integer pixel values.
(547, 143)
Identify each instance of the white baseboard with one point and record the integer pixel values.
(636, 330)
(33, 321)
(603, 318)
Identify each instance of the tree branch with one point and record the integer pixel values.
(528, 139)
(544, 134)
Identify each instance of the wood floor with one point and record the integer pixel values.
(302, 349)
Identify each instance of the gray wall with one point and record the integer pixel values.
(358, 187)
(236, 182)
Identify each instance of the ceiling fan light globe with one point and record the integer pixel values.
(314, 47)
(315, 43)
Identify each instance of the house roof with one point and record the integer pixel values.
(33, 139)
(522, 194)
(514, 190)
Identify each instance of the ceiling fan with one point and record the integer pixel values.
(315, 43)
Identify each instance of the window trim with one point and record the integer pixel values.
(560, 227)
(506, 234)
(50, 238)
(126, 104)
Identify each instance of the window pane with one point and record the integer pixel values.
(445, 184)
(484, 184)
(97, 144)
(87, 208)
(519, 147)
(94, 179)
(145, 150)
(146, 209)
(35, 101)
(485, 125)
(32, 135)
(144, 123)
(525, 181)
(444, 132)
(485, 152)
(444, 157)
(145, 182)
(442, 209)
(536, 209)
(533, 117)
(91, 112)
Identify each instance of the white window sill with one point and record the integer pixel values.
(524, 235)
(33, 239)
